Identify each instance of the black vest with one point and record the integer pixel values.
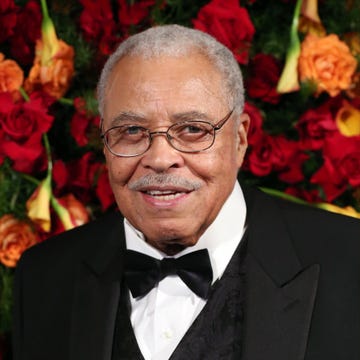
(214, 335)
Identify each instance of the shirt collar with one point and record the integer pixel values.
(221, 238)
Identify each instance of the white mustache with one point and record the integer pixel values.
(164, 180)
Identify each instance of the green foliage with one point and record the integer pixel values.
(6, 289)
(14, 191)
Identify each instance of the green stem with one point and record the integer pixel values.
(48, 154)
(24, 94)
(66, 101)
(294, 39)
(62, 213)
(44, 9)
(6, 281)
(283, 195)
(30, 178)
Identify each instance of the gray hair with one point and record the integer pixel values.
(178, 41)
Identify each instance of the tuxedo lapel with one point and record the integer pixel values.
(280, 292)
(96, 296)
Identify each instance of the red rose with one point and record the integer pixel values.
(311, 196)
(60, 176)
(23, 124)
(314, 126)
(256, 132)
(277, 154)
(98, 25)
(23, 41)
(8, 18)
(341, 166)
(228, 23)
(104, 191)
(258, 159)
(133, 13)
(264, 73)
(78, 177)
(83, 124)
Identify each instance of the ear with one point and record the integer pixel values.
(242, 132)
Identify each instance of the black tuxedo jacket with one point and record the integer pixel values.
(302, 298)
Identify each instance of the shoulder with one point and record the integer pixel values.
(311, 230)
(305, 216)
(74, 244)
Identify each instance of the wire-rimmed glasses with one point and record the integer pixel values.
(189, 136)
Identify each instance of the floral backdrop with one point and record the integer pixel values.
(300, 61)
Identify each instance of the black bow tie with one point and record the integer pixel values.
(143, 272)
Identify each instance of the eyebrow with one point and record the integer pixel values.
(128, 117)
(190, 115)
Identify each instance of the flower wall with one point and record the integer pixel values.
(300, 61)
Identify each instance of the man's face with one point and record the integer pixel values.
(155, 93)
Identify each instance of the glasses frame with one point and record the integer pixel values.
(151, 134)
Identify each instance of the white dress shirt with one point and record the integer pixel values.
(161, 318)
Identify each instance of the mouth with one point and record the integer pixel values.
(165, 195)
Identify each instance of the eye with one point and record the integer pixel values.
(132, 130)
(192, 131)
(125, 134)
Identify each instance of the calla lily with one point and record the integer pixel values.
(348, 210)
(50, 42)
(310, 10)
(310, 21)
(289, 80)
(348, 120)
(38, 205)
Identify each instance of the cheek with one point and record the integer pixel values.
(217, 167)
(120, 169)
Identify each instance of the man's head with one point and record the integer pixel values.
(155, 79)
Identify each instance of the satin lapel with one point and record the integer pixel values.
(278, 318)
(280, 292)
(96, 296)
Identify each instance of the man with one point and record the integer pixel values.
(278, 280)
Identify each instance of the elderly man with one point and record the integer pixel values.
(193, 266)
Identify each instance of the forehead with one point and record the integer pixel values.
(164, 83)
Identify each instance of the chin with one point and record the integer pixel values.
(171, 241)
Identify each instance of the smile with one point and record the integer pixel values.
(165, 195)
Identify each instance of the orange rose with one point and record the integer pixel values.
(11, 76)
(55, 76)
(77, 211)
(354, 90)
(15, 237)
(327, 62)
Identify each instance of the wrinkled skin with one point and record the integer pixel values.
(156, 93)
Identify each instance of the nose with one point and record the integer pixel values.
(161, 156)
